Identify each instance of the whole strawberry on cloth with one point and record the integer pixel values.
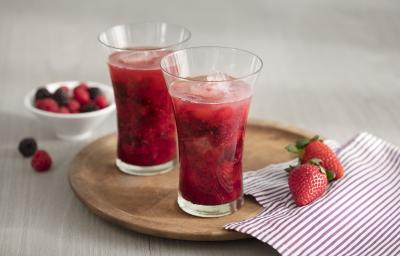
(307, 149)
(308, 181)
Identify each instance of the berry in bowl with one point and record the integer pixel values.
(72, 108)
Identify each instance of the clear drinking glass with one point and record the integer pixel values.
(211, 89)
(146, 126)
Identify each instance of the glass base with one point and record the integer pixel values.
(144, 170)
(209, 210)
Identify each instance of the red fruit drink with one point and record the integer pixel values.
(146, 125)
(211, 120)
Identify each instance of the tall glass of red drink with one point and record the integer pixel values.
(211, 89)
(146, 125)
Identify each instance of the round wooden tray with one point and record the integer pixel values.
(148, 204)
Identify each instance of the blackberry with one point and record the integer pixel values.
(94, 92)
(27, 147)
(61, 97)
(88, 108)
(42, 93)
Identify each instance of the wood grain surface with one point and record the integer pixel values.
(148, 204)
(329, 66)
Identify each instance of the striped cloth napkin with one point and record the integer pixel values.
(359, 214)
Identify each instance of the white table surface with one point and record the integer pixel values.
(332, 67)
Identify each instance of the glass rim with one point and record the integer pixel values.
(162, 48)
(215, 47)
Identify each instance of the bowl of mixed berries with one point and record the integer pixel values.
(71, 108)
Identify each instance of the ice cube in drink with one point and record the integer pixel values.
(146, 125)
(211, 113)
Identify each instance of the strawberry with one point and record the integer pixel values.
(308, 149)
(307, 182)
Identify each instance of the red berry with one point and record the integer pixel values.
(73, 106)
(82, 86)
(317, 149)
(307, 182)
(81, 95)
(63, 110)
(101, 101)
(47, 104)
(41, 161)
(308, 149)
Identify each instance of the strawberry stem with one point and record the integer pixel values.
(316, 137)
(302, 143)
(292, 149)
(290, 168)
(330, 175)
(315, 161)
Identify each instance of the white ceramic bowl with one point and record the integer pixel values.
(75, 126)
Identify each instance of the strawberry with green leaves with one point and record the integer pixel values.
(308, 149)
(308, 181)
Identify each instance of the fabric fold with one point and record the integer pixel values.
(358, 215)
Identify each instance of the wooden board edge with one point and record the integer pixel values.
(223, 235)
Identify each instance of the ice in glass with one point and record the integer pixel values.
(211, 109)
(146, 125)
(211, 120)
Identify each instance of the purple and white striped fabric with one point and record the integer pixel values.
(359, 214)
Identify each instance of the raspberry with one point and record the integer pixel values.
(47, 104)
(101, 101)
(94, 92)
(61, 97)
(27, 147)
(63, 110)
(42, 93)
(73, 106)
(82, 86)
(81, 95)
(41, 161)
(88, 108)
